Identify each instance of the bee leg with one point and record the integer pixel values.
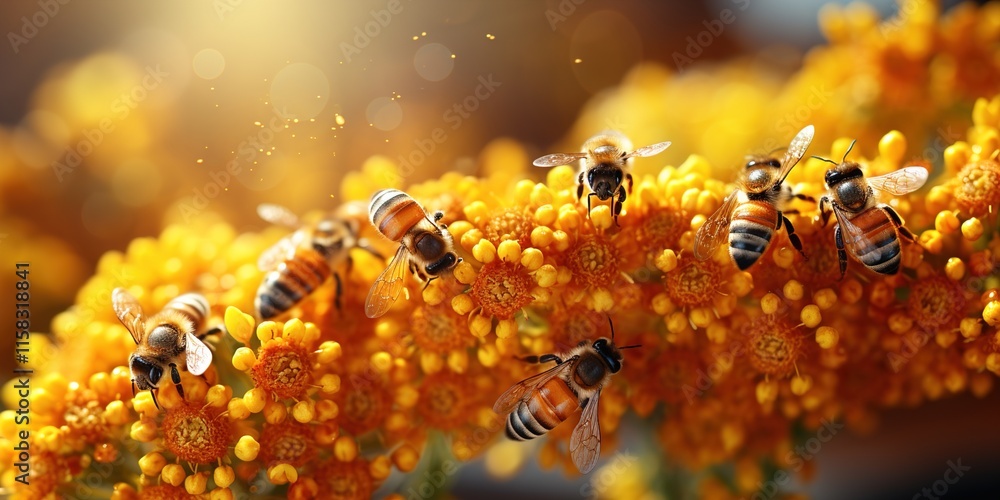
(617, 209)
(804, 197)
(579, 186)
(628, 178)
(152, 392)
(544, 358)
(824, 212)
(428, 282)
(794, 238)
(175, 377)
(340, 291)
(841, 253)
(133, 388)
(364, 245)
(896, 221)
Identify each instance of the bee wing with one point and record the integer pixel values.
(585, 443)
(277, 214)
(129, 312)
(796, 150)
(557, 159)
(283, 250)
(715, 230)
(902, 181)
(521, 390)
(386, 288)
(651, 150)
(199, 356)
(855, 240)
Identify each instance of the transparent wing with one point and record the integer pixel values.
(557, 159)
(903, 181)
(715, 230)
(855, 240)
(585, 443)
(199, 356)
(649, 150)
(521, 390)
(277, 214)
(281, 251)
(796, 150)
(386, 288)
(129, 312)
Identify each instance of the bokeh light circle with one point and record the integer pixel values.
(300, 90)
(434, 62)
(384, 113)
(208, 64)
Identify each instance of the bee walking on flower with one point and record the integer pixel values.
(536, 405)
(300, 263)
(606, 157)
(425, 245)
(869, 230)
(750, 215)
(165, 339)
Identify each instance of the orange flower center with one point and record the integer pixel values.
(661, 230)
(282, 368)
(289, 443)
(194, 435)
(443, 401)
(978, 187)
(345, 481)
(364, 407)
(774, 344)
(594, 262)
(436, 329)
(509, 224)
(693, 283)
(86, 420)
(502, 289)
(935, 302)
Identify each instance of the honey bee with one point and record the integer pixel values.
(300, 263)
(606, 159)
(868, 229)
(425, 245)
(750, 215)
(165, 339)
(538, 404)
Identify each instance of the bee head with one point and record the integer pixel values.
(604, 180)
(145, 374)
(609, 353)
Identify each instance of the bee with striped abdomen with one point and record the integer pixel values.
(869, 230)
(750, 215)
(424, 244)
(300, 263)
(606, 157)
(538, 404)
(165, 339)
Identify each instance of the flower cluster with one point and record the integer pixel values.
(328, 400)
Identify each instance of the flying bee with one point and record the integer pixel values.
(538, 404)
(165, 339)
(300, 263)
(868, 229)
(606, 157)
(750, 215)
(425, 245)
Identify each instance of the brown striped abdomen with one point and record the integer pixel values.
(550, 405)
(394, 213)
(880, 251)
(292, 281)
(192, 305)
(750, 231)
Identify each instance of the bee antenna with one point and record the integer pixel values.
(826, 159)
(612, 329)
(849, 148)
(633, 346)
